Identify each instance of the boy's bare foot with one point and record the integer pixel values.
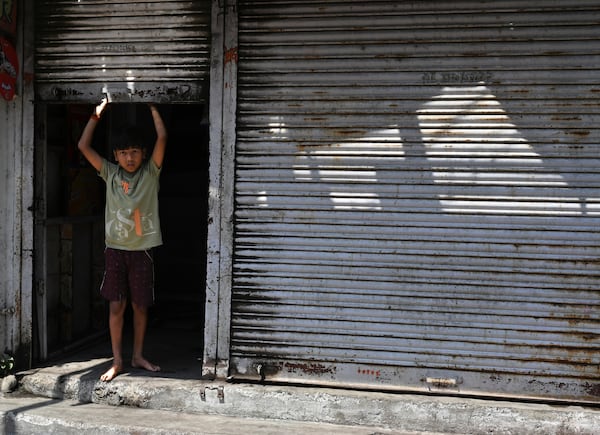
(143, 363)
(112, 372)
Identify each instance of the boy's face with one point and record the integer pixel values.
(130, 159)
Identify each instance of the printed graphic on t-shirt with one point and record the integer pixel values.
(127, 221)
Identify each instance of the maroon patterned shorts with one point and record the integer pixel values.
(128, 274)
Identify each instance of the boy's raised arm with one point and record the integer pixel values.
(85, 141)
(158, 154)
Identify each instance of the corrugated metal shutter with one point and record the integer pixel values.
(418, 196)
(135, 50)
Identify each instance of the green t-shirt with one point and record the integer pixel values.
(131, 214)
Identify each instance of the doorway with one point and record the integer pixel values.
(69, 313)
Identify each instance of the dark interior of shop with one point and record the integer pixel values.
(74, 225)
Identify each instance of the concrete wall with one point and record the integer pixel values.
(16, 231)
(16, 202)
(8, 239)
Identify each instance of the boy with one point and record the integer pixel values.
(132, 229)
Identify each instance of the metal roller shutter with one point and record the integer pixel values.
(135, 50)
(418, 196)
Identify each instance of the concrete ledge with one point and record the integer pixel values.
(35, 415)
(406, 412)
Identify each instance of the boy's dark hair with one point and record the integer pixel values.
(130, 137)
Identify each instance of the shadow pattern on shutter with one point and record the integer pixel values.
(418, 196)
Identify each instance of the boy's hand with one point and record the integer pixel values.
(85, 141)
(100, 107)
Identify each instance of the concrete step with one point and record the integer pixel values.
(194, 400)
(27, 414)
(178, 389)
